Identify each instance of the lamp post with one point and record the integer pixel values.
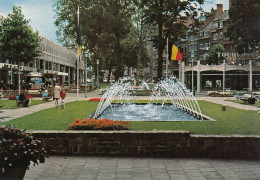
(86, 74)
(192, 78)
(224, 69)
(97, 75)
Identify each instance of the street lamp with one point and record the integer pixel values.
(224, 69)
(86, 73)
(192, 78)
(97, 74)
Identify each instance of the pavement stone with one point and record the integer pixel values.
(66, 167)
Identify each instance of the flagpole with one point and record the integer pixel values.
(167, 57)
(78, 59)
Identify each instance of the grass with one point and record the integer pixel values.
(231, 121)
(257, 103)
(11, 104)
(55, 119)
(103, 85)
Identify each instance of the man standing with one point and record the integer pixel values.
(56, 94)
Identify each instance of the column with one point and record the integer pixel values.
(250, 77)
(73, 76)
(63, 77)
(224, 74)
(69, 75)
(198, 76)
(182, 72)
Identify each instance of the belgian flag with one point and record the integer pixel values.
(176, 53)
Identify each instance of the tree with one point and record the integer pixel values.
(169, 17)
(104, 23)
(213, 57)
(18, 42)
(244, 24)
(134, 54)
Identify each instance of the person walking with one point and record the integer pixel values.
(56, 94)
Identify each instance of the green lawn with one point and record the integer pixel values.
(103, 85)
(231, 121)
(11, 104)
(257, 103)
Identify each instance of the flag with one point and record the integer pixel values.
(79, 34)
(176, 53)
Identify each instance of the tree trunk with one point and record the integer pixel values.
(120, 67)
(160, 49)
(109, 71)
(19, 78)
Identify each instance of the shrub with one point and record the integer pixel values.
(98, 124)
(19, 149)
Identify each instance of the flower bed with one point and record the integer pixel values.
(220, 94)
(98, 124)
(18, 149)
(95, 99)
(13, 97)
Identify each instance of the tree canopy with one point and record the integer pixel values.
(105, 24)
(244, 24)
(213, 57)
(170, 19)
(18, 42)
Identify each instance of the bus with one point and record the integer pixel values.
(35, 80)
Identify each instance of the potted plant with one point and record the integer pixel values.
(18, 150)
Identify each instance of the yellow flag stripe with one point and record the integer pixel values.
(79, 50)
(174, 52)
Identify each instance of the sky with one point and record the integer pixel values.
(41, 14)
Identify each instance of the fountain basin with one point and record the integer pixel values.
(149, 112)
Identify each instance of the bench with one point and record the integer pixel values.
(45, 96)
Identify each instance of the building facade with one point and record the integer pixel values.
(56, 62)
(235, 72)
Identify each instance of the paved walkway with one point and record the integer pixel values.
(9, 114)
(109, 168)
(222, 100)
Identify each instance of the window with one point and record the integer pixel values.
(215, 36)
(207, 34)
(201, 45)
(221, 24)
(220, 35)
(201, 34)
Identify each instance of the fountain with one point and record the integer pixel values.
(170, 101)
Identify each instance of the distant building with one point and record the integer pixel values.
(56, 62)
(236, 72)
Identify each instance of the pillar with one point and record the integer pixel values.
(63, 77)
(224, 74)
(182, 72)
(198, 76)
(250, 76)
(73, 76)
(69, 75)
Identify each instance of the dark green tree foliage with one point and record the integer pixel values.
(19, 43)
(104, 25)
(244, 24)
(169, 16)
(213, 57)
(134, 50)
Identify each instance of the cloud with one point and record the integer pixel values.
(41, 17)
(39, 12)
